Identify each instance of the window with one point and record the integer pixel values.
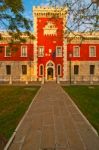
(59, 51)
(24, 69)
(41, 51)
(1, 49)
(92, 51)
(76, 51)
(8, 69)
(7, 51)
(76, 69)
(92, 69)
(24, 51)
(41, 70)
(59, 70)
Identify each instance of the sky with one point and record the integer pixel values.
(28, 4)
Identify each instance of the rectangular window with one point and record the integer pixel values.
(41, 70)
(76, 51)
(76, 69)
(24, 51)
(8, 69)
(92, 69)
(7, 51)
(41, 51)
(59, 51)
(24, 69)
(1, 49)
(59, 70)
(92, 51)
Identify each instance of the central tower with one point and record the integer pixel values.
(50, 46)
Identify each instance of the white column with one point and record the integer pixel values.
(35, 47)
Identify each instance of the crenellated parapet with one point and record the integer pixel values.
(50, 11)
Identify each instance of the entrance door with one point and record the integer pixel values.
(50, 73)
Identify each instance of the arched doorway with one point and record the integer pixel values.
(50, 73)
(50, 70)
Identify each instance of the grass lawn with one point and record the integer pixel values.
(14, 101)
(87, 99)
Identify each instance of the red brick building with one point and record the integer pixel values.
(52, 55)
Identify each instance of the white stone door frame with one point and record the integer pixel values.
(53, 67)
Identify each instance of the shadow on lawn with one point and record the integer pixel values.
(3, 142)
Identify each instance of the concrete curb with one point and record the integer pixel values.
(14, 133)
(86, 120)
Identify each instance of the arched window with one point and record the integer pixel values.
(41, 70)
(59, 71)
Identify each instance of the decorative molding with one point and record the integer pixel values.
(50, 29)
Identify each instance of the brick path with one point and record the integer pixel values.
(54, 123)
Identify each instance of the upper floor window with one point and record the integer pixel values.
(7, 51)
(76, 69)
(59, 51)
(92, 69)
(92, 51)
(24, 51)
(41, 51)
(1, 49)
(24, 69)
(76, 51)
(8, 69)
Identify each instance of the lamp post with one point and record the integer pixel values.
(70, 56)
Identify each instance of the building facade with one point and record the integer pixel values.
(52, 55)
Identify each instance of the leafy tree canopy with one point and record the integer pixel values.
(13, 20)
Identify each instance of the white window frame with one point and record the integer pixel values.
(60, 70)
(22, 51)
(74, 53)
(40, 54)
(6, 52)
(40, 70)
(90, 54)
(57, 54)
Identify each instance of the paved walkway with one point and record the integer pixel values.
(54, 123)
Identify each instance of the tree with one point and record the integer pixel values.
(83, 16)
(13, 21)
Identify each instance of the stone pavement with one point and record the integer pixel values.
(54, 123)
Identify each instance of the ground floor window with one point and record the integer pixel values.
(76, 69)
(92, 69)
(24, 69)
(59, 70)
(8, 69)
(41, 70)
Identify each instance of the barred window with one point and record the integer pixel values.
(24, 69)
(92, 51)
(41, 51)
(92, 69)
(59, 51)
(76, 69)
(24, 51)
(76, 51)
(8, 69)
